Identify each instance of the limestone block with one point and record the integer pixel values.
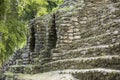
(82, 22)
(65, 18)
(77, 37)
(74, 19)
(68, 41)
(76, 24)
(70, 31)
(116, 32)
(84, 18)
(71, 37)
(76, 34)
(65, 25)
(70, 34)
(76, 30)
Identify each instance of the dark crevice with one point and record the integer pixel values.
(32, 38)
(52, 35)
(54, 32)
(51, 40)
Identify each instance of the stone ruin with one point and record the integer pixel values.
(80, 41)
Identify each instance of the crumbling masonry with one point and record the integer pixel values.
(82, 39)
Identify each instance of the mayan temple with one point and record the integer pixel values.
(79, 41)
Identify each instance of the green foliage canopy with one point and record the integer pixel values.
(14, 14)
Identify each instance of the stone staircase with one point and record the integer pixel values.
(87, 47)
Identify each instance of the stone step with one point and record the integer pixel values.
(70, 74)
(106, 38)
(33, 61)
(8, 75)
(94, 74)
(74, 71)
(109, 61)
(39, 61)
(100, 50)
(25, 69)
(11, 76)
(56, 53)
(32, 67)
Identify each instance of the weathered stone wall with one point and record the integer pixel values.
(79, 39)
(88, 18)
(67, 25)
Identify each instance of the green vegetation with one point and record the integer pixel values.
(14, 15)
(29, 9)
